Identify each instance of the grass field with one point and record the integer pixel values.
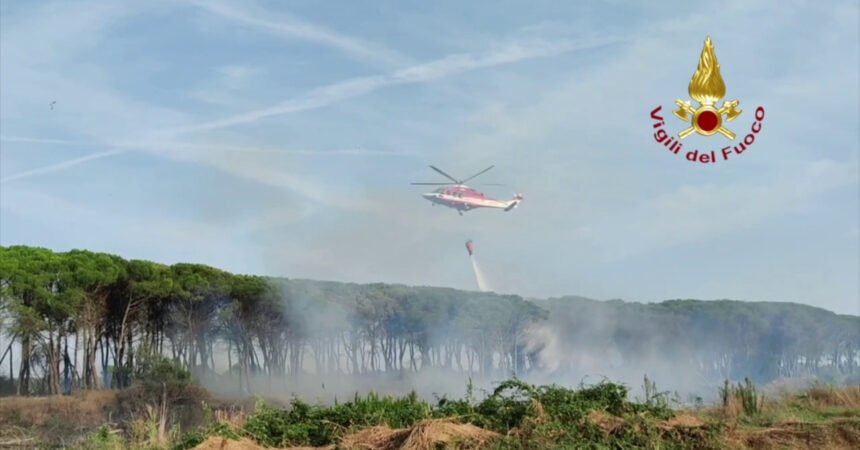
(516, 415)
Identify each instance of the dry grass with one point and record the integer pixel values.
(428, 434)
(55, 420)
(820, 417)
(682, 420)
(834, 436)
(829, 396)
(378, 437)
(235, 418)
(37, 411)
(839, 431)
(607, 422)
(731, 410)
(15, 437)
(816, 398)
(220, 443)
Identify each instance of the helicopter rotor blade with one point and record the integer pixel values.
(445, 174)
(432, 184)
(475, 175)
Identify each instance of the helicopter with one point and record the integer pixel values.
(463, 198)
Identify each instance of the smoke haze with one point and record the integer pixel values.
(343, 339)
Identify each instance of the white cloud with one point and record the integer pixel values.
(229, 86)
(47, 208)
(281, 24)
(581, 153)
(447, 66)
(433, 70)
(238, 74)
(692, 213)
(230, 159)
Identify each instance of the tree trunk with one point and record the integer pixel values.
(56, 389)
(24, 371)
(246, 365)
(92, 379)
(67, 370)
(120, 351)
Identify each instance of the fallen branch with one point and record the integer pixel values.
(15, 442)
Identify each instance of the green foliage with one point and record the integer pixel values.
(749, 397)
(558, 417)
(745, 393)
(513, 401)
(211, 428)
(511, 405)
(529, 416)
(725, 393)
(526, 416)
(161, 389)
(104, 439)
(134, 310)
(317, 425)
(654, 397)
(157, 373)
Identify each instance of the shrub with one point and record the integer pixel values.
(317, 425)
(749, 397)
(103, 439)
(161, 390)
(744, 393)
(211, 427)
(595, 416)
(653, 397)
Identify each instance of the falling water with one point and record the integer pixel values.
(483, 285)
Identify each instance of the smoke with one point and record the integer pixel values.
(480, 278)
(321, 317)
(586, 340)
(429, 384)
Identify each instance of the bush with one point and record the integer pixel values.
(162, 393)
(745, 393)
(317, 425)
(529, 416)
(514, 400)
(211, 428)
(103, 439)
(513, 404)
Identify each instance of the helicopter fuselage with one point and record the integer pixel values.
(464, 198)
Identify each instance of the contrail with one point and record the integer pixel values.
(124, 147)
(32, 140)
(62, 166)
(429, 71)
(208, 147)
(327, 95)
(284, 25)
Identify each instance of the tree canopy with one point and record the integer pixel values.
(81, 320)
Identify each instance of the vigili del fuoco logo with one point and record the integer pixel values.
(707, 88)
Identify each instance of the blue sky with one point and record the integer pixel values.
(279, 138)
